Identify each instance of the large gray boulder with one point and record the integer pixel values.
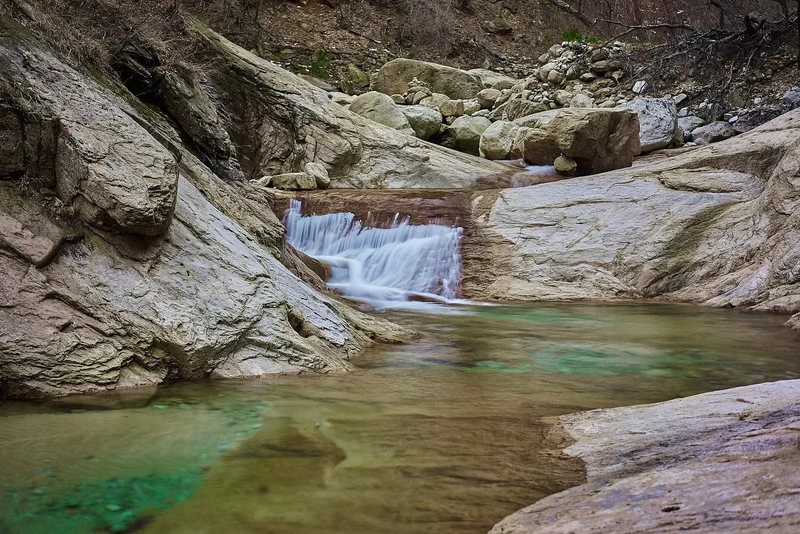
(466, 133)
(713, 133)
(499, 141)
(494, 80)
(395, 76)
(688, 124)
(516, 108)
(658, 121)
(381, 108)
(424, 120)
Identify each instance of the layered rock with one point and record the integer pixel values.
(284, 123)
(125, 261)
(716, 225)
(716, 462)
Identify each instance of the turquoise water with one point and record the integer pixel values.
(443, 435)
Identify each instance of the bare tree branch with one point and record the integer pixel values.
(569, 9)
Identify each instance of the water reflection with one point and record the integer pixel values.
(444, 435)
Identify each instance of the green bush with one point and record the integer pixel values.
(574, 34)
(319, 67)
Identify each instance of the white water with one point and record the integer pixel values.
(383, 267)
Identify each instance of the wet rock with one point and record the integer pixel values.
(381, 108)
(713, 133)
(658, 120)
(394, 77)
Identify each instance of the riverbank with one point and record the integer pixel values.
(724, 461)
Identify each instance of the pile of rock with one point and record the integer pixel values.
(486, 113)
(313, 176)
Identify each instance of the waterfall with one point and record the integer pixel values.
(383, 267)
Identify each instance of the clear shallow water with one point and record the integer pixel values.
(442, 435)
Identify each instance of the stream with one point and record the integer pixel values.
(445, 434)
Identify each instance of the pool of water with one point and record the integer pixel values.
(442, 435)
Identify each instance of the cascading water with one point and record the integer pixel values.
(383, 267)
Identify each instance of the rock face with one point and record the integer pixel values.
(395, 76)
(284, 123)
(717, 462)
(147, 266)
(718, 225)
(101, 162)
(381, 108)
(658, 121)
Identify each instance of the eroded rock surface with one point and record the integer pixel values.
(716, 225)
(141, 264)
(719, 462)
(284, 123)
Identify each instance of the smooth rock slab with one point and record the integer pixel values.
(719, 462)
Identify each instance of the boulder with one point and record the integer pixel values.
(688, 124)
(353, 80)
(319, 173)
(537, 119)
(494, 80)
(498, 141)
(565, 166)
(562, 98)
(598, 140)
(394, 77)
(435, 101)
(381, 108)
(658, 120)
(424, 120)
(471, 106)
(581, 100)
(466, 132)
(294, 181)
(488, 97)
(452, 108)
(712, 133)
(516, 108)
